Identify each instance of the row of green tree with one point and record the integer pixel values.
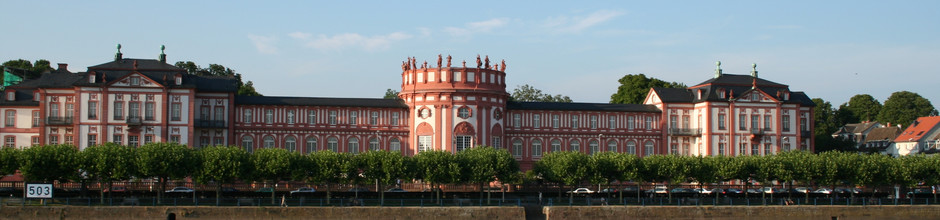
(219, 165)
(901, 108)
(825, 169)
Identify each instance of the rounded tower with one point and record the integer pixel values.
(454, 107)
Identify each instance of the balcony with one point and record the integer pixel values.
(57, 120)
(806, 134)
(759, 131)
(685, 131)
(134, 121)
(202, 123)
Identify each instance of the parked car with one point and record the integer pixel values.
(395, 190)
(823, 191)
(116, 189)
(753, 191)
(359, 189)
(265, 190)
(771, 190)
(630, 189)
(847, 190)
(303, 190)
(608, 190)
(920, 192)
(803, 190)
(681, 190)
(229, 189)
(180, 189)
(581, 190)
(733, 191)
(660, 190)
(704, 190)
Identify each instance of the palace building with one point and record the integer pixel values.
(138, 101)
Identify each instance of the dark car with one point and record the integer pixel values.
(265, 190)
(920, 192)
(630, 189)
(608, 190)
(229, 189)
(116, 189)
(395, 190)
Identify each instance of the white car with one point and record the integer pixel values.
(823, 191)
(703, 190)
(581, 190)
(303, 190)
(180, 189)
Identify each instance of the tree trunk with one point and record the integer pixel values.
(162, 188)
(218, 193)
(382, 195)
(273, 186)
(328, 191)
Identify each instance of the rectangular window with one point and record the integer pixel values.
(674, 148)
(268, 116)
(175, 138)
(176, 112)
(497, 142)
(134, 108)
(69, 110)
(68, 140)
(630, 123)
(767, 149)
(10, 119)
(92, 110)
(721, 149)
(332, 118)
(35, 140)
(219, 113)
(516, 120)
(611, 122)
(462, 142)
(133, 140)
(804, 123)
(311, 116)
(290, 116)
(755, 149)
(593, 121)
(374, 118)
(424, 143)
(721, 122)
(555, 121)
(246, 116)
(517, 148)
(686, 122)
(536, 120)
(53, 139)
(203, 141)
(35, 118)
(92, 140)
(118, 110)
(742, 122)
(353, 117)
(767, 122)
(755, 120)
(218, 142)
(148, 139)
(395, 118)
(673, 122)
(149, 111)
(786, 122)
(574, 122)
(536, 149)
(742, 149)
(54, 110)
(204, 113)
(470, 77)
(9, 141)
(649, 122)
(118, 139)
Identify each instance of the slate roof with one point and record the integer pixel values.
(319, 101)
(734, 86)
(855, 128)
(577, 106)
(885, 133)
(919, 129)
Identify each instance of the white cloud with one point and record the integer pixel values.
(565, 24)
(477, 27)
(347, 40)
(264, 44)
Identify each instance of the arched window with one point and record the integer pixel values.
(311, 144)
(574, 146)
(631, 147)
(269, 141)
(517, 148)
(556, 145)
(649, 148)
(290, 143)
(612, 146)
(353, 145)
(536, 148)
(374, 144)
(332, 144)
(394, 145)
(247, 143)
(595, 147)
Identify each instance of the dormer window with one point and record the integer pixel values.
(179, 80)
(698, 94)
(91, 78)
(721, 93)
(36, 96)
(754, 96)
(135, 81)
(11, 95)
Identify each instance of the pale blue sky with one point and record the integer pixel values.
(829, 49)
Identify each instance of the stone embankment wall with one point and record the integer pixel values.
(115, 212)
(743, 212)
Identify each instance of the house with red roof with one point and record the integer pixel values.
(921, 137)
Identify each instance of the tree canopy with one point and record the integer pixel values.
(861, 107)
(34, 69)
(244, 88)
(634, 87)
(904, 107)
(527, 93)
(391, 94)
(49, 163)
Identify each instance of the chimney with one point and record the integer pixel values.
(63, 67)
